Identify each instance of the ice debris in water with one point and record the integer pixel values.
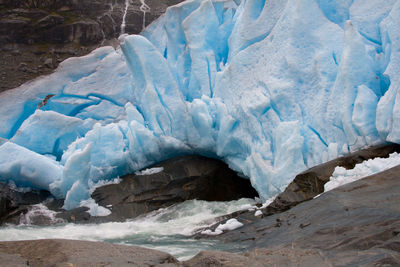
(229, 225)
(94, 208)
(342, 176)
(258, 213)
(270, 87)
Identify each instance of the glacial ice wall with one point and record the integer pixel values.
(271, 87)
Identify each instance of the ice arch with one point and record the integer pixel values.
(270, 87)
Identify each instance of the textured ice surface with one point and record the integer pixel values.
(270, 87)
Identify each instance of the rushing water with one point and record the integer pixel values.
(167, 229)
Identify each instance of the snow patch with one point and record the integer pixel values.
(341, 176)
(150, 171)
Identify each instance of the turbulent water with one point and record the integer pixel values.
(167, 229)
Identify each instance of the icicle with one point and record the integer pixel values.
(144, 8)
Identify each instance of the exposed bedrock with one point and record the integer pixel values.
(184, 178)
(35, 36)
(357, 224)
(310, 183)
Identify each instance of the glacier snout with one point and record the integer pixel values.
(270, 87)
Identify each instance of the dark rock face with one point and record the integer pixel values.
(184, 178)
(14, 203)
(33, 32)
(357, 224)
(310, 183)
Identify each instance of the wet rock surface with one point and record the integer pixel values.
(183, 178)
(14, 203)
(35, 36)
(310, 183)
(354, 225)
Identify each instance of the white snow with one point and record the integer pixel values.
(229, 225)
(94, 208)
(341, 176)
(150, 171)
(258, 213)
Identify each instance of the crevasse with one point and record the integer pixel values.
(270, 87)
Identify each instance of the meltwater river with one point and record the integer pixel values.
(166, 229)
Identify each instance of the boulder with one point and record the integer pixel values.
(183, 178)
(13, 203)
(57, 252)
(260, 258)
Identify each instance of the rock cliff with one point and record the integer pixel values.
(35, 36)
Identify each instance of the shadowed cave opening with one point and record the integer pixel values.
(167, 183)
(177, 179)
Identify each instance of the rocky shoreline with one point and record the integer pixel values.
(356, 224)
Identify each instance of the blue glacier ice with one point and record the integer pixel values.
(270, 87)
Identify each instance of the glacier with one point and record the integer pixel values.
(271, 87)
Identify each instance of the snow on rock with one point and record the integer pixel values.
(270, 87)
(342, 176)
(150, 171)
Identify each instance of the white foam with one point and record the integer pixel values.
(39, 210)
(181, 219)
